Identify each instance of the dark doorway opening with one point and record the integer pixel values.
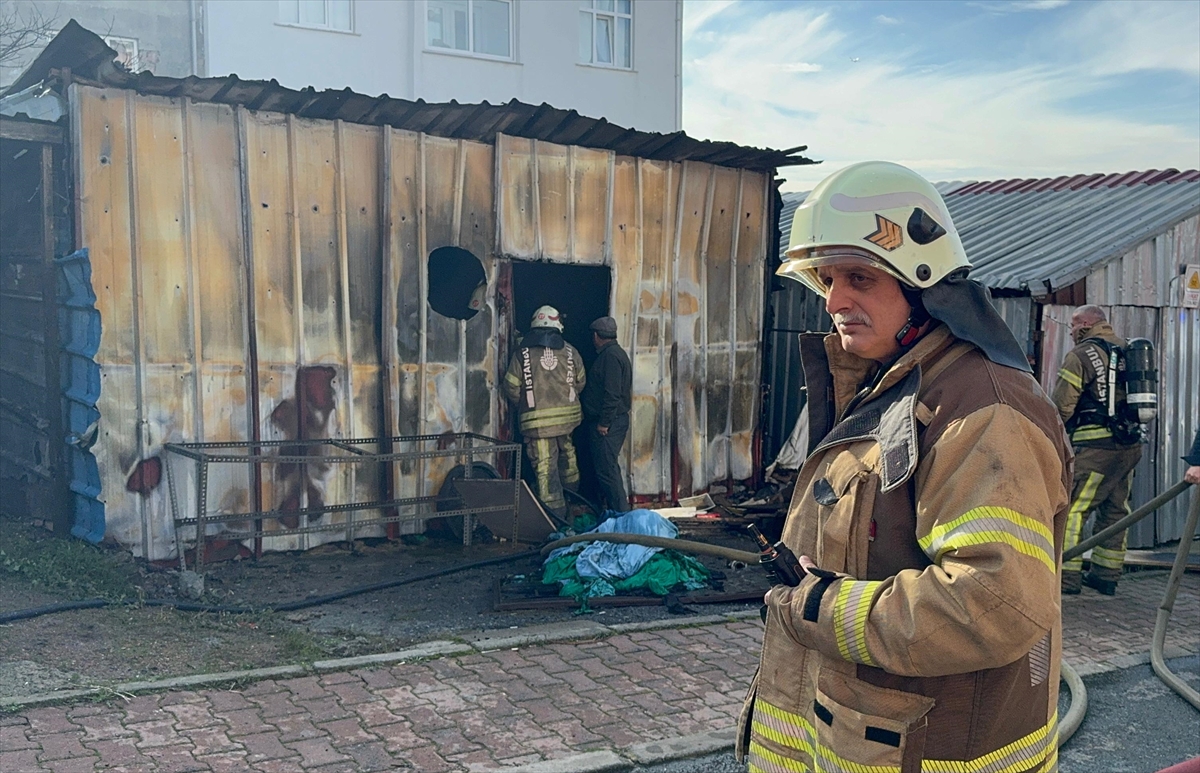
(581, 294)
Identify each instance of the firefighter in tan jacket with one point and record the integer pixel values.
(1104, 455)
(544, 379)
(929, 513)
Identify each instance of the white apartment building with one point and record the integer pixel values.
(616, 59)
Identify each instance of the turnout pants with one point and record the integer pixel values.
(554, 463)
(1103, 478)
(606, 452)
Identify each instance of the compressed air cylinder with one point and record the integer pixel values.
(1141, 379)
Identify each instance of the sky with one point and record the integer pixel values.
(957, 90)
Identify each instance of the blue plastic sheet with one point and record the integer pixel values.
(612, 561)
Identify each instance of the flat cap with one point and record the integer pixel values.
(606, 327)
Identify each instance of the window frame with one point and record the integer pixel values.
(470, 53)
(615, 15)
(319, 27)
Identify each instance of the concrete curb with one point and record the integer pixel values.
(621, 760)
(479, 641)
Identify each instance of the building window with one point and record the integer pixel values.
(318, 14)
(482, 27)
(606, 33)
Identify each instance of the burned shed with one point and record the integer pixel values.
(1129, 243)
(282, 266)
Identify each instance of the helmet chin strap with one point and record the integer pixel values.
(917, 317)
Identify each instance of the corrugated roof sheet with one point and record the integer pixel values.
(1042, 235)
(91, 60)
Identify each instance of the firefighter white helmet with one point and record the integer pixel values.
(882, 213)
(547, 316)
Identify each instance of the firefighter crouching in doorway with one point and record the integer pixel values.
(606, 403)
(929, 513)
(544, 379)
(1090, 400)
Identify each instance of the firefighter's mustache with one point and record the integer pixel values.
(853, 318)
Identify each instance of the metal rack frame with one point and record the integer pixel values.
(358, 451)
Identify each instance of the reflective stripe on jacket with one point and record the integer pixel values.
(1082, 383)
(544, 384)
(930, 640)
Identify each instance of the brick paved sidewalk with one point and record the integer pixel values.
(488, 709)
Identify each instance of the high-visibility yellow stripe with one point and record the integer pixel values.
(1109, 559)
(794, 731)
(1091, 432)
(564, 410)
(983, 525)
(1075, 517)
(763, 760)
(1071, 378)
(1019, 755)
(851, 608)
(512, 379)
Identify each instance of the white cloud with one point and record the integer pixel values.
(1121, 37)
(946, 122)
(885, 19)
(1017, 6)
(1039, 5)
(801, 67)
(697, 12)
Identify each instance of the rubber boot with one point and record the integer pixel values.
(1072, 583)
(1106, 587)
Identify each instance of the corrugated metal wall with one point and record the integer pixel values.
(1148, 275)
(686, 243)
(249, 266)
(238, 254)
(1175, 333)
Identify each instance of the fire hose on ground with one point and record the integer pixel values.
(1071, 721)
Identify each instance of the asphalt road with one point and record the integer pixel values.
(1134, 724)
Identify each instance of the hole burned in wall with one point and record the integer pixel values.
(457, 283)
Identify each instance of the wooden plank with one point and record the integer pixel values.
(31, 131)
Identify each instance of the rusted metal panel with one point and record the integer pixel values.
(516, 198)
(477, 234)
(592, 185)
(695, 197)
(555, 201)
(748, 319)
(103, 180)
(651, 334)
(719, 288)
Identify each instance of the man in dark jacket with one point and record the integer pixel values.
(606, 402)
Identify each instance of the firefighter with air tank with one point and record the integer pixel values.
(544, 379)
(1105, 393)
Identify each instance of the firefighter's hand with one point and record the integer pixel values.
(602, 430)
(805, 562)
(1193, 474)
